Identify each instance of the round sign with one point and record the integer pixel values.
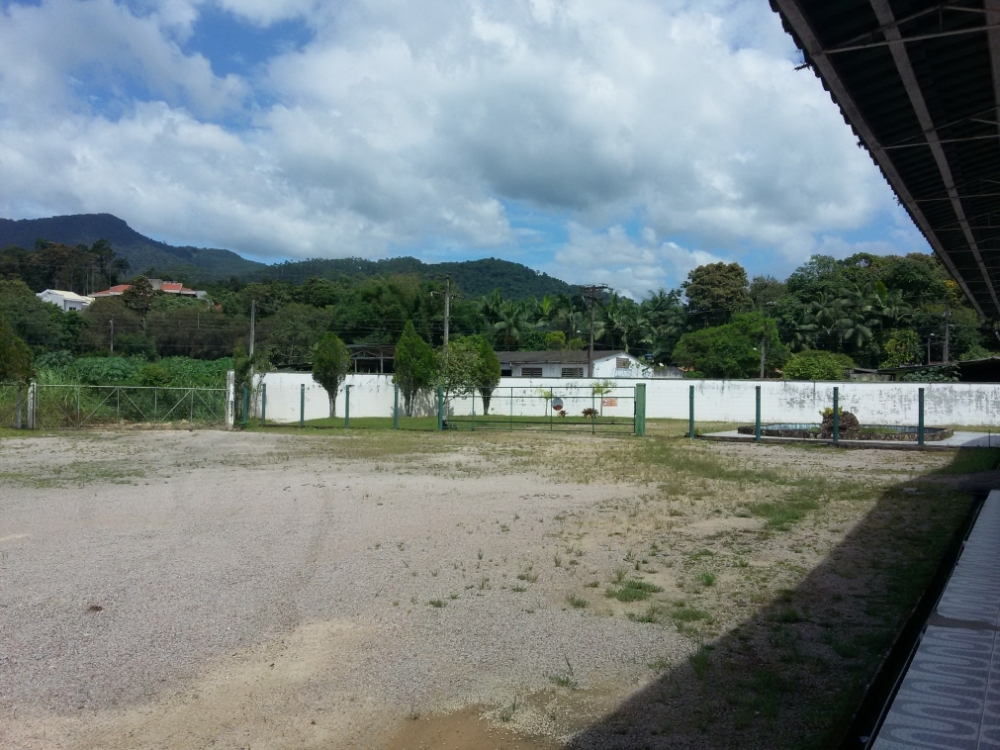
(557, 404)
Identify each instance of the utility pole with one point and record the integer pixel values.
(112, 322)
(947, 336)
(763, 343)
(253, 322)
(929, 337)
(590, 293)
(447, 307)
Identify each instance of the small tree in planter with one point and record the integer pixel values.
(331, 362)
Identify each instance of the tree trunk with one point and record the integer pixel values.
(487, 394)
(333, 404)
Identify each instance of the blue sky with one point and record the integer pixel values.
(606, 141)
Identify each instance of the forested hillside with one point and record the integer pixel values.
(829, 315)
(203, 267)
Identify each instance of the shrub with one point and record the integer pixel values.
(848, 427)
(813, 364)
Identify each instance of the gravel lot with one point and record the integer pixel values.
(193, 589)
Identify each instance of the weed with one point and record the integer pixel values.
(741, 562)
(788, 616)
(700, 661)
(633, 591)
(518, 589)
(683, 613)
(480, 554)
(528, 576)
(653, 614)
(508, 713)
(557, 560)
(504, 527)
(438, 603)
(565, 680)
(707, 578)
(453, 597)
(576, 602)
(620, 574)
(592, 585)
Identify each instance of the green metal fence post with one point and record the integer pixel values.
(302, 405)
(246, 405)
(347, 406)
(440, 395)
(756, 430)
(920, 417)
(836, 415)
(549, 409)
(473, 423)
(395, 407)
(640, 410)
(191, 413)
(17, 421)
(691, 412)
(263, 404)
(512, 408)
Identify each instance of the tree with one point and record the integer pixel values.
(331, 361)
(902, 348)
(733, 350)
(457, 367)
(555, 341)
(139, 296)
(414, 366)
(487, 372)
(811, 364)
(15, 357)
(716, 291)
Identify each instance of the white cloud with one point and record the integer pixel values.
(405, 124)
(633, 267)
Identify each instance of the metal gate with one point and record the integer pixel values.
(599, 408)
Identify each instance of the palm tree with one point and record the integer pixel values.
(511, 324)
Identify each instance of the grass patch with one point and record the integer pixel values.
(700, 661)
(437, 603)
(782, 514)
(683, 613)
(633, 591)
(652, 614)
(576, 602)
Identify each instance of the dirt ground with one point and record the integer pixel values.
(385, 590)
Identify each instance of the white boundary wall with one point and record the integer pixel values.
(973, 404)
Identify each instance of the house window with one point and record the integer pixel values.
(572, 372)
(531, 372)
(623, 363)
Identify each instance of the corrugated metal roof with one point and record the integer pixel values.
(919, 82)
(557, 357)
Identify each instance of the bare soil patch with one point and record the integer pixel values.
(387, 590)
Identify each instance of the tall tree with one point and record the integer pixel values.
(139, 296)
(415, 366)
(715, 292)
(15, 356)
(487, 372)
(331, 362)
(733, 350)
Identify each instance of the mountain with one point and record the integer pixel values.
(473, 278)
(140, 251)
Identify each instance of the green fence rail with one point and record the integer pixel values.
(79, 406)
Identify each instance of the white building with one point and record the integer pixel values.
(66, 301)
(573, 364)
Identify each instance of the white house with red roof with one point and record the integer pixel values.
(159, 285)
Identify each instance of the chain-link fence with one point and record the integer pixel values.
(13, 405)
(79, 406)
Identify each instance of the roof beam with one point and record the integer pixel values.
(793, 14)
(904, 67)
(915, 38)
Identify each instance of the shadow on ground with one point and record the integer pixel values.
(794, 675)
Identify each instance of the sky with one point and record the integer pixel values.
(622, 142)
